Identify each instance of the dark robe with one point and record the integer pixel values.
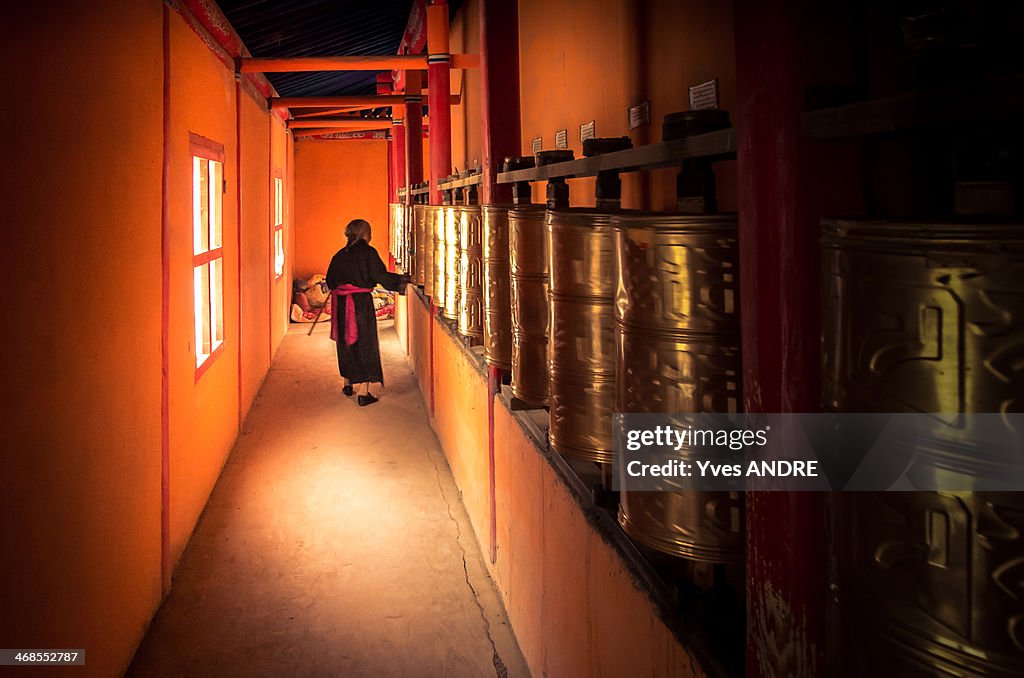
(359, 264)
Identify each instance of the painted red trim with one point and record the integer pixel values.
(202, 147)
(430, 320)
(207, 256)
(214, 21)
(214, 29)
(216, 353)
(238, 244)
(333, 136)
(205, 36)
(414, 40)
(165, 320)
(493, 385)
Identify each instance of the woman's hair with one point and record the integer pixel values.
(357, 229)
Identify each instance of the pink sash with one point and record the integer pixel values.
(351, 331)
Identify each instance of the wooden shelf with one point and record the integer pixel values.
(976, 103)
(471, 180)
(420, 191)
(720, 145)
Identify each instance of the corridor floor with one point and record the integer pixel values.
(334, 544)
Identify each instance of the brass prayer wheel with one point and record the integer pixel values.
(420, 220)
(393, 219)
(429, 215)
(497, 334)
(925, 317)
(471, 264)
(528, 265)
(408, 258)
(452, 260)
(581, 261)
(440, 255)
(678, 342)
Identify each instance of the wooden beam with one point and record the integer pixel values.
(405, 62)
(349, 103)
(342, 123)
(334, 63)
(370, 101)
(332, 111)
(464, 61)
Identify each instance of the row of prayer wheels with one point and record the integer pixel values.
(537, 288)
(601, 311)
(444, 256)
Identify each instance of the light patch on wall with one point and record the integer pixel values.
(207, 256)
(278, 227)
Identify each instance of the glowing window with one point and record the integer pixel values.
(207, 249)
(278, 225)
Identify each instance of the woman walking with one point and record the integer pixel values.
(352, 274)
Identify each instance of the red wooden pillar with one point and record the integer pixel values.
(396, 142)
(413, 171)
(398, 163)
(399, 153)
(779, 292)
(439, 78)
(500, 126)
(499, 93)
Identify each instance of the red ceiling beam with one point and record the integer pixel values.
(332, 111)
(349, 103)
(403, 62)
(333, 63)
(342, 123)
(370, 100)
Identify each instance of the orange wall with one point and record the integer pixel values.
(80, 505)
(256, 246)
(571, 601)
(336, 181)
(203, 413)
(80, 436)
(465, 39)
(579, 63)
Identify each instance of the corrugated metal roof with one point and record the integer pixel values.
(286, 28)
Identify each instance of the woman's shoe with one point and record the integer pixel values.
(347, 390)
(367, 399)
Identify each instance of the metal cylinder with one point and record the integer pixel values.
(419, 237)
(429, 214)
(528, 266)
(581, 367)
(452, 261)
(497, 335)
(678, 345)
(440, 255)
(393, 229)
(471, 264)
(925, 317)
(408, 260)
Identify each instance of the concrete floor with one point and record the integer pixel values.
(334, 544)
